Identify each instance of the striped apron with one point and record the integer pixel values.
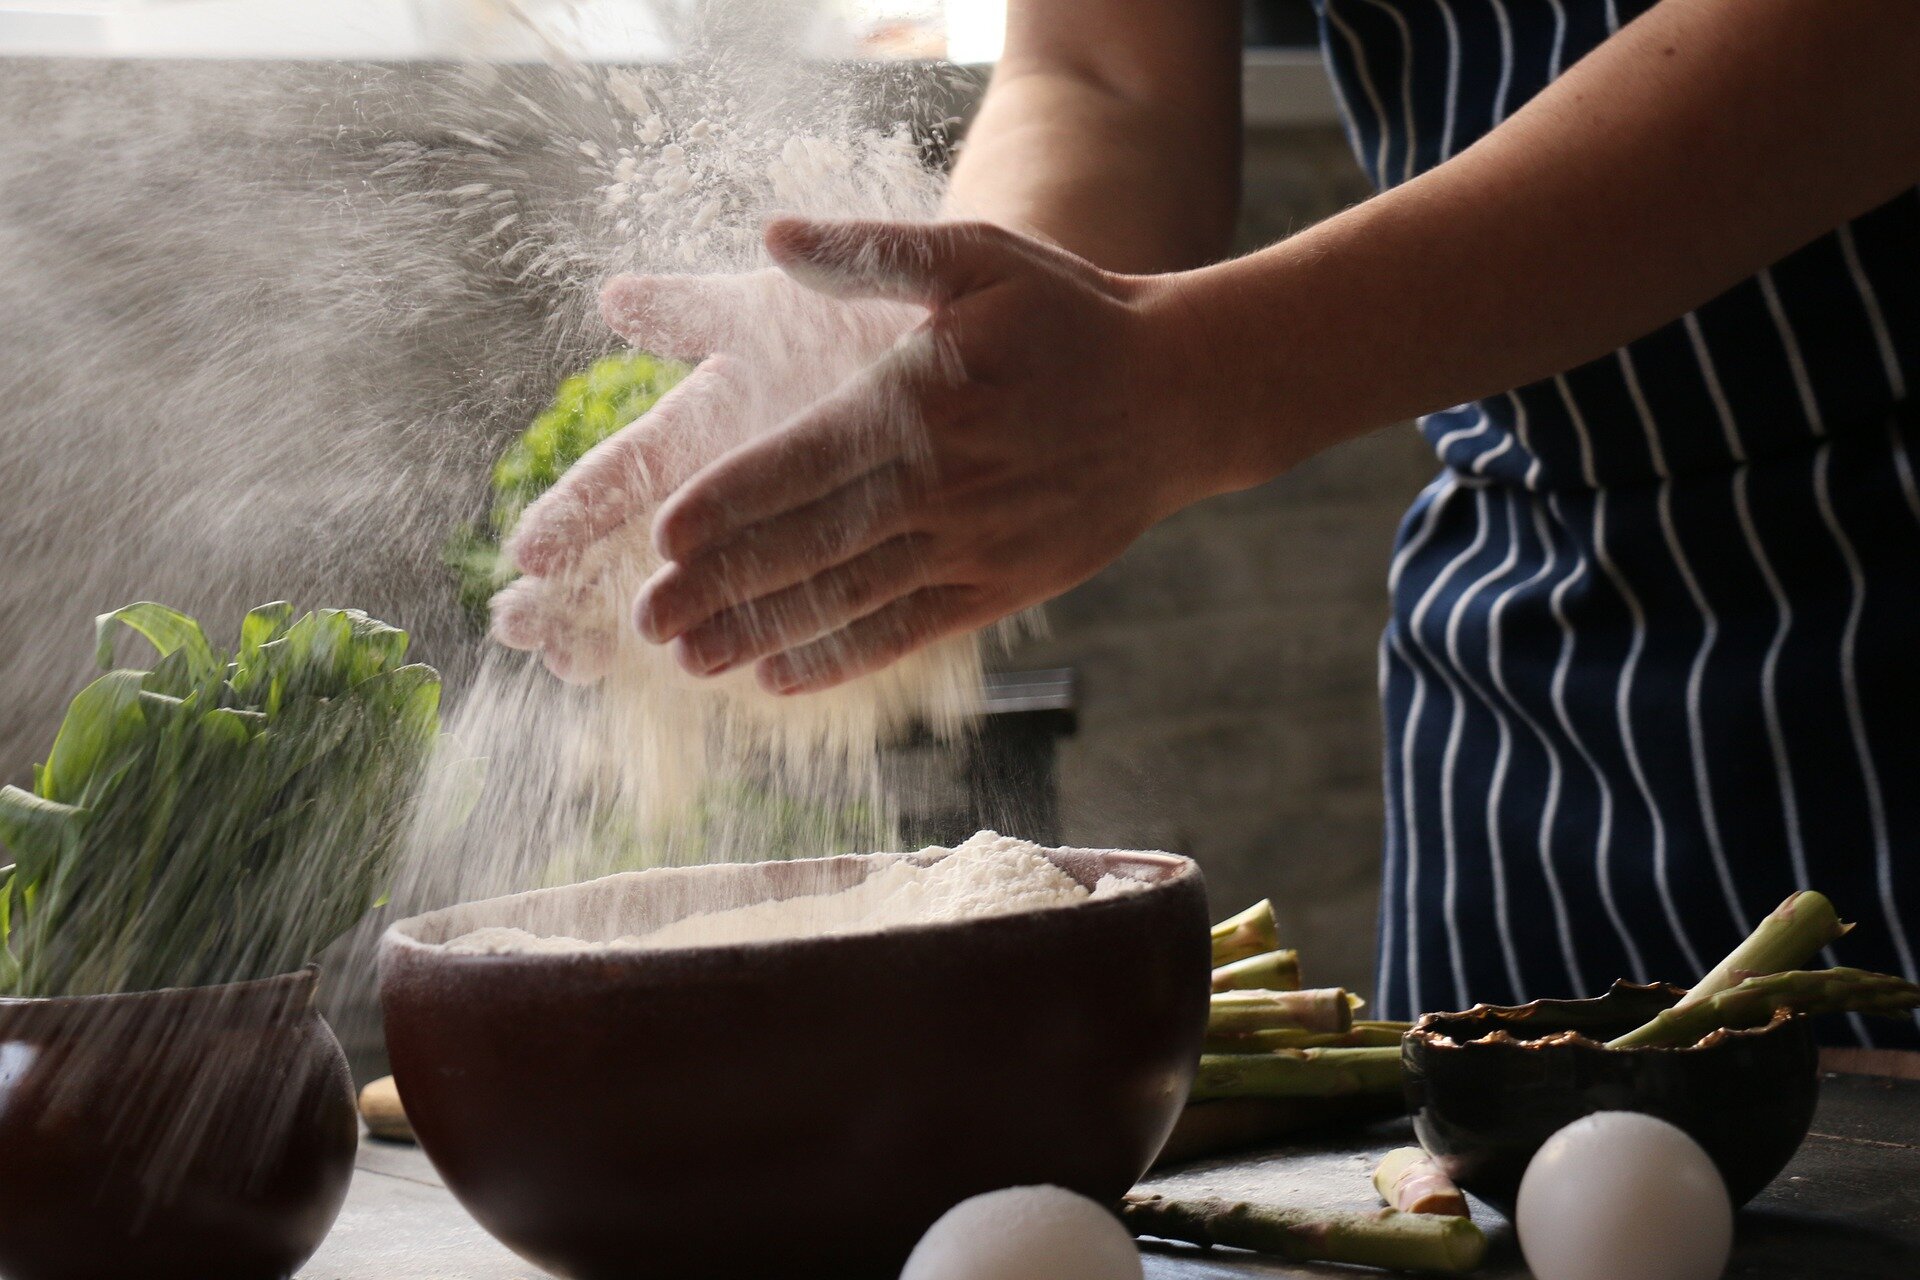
(1654, 656)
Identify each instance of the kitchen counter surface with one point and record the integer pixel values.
(1848, 1205)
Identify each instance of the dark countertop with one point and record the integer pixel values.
(1848, 1205)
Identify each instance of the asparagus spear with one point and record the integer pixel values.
(1408, 1180)
(1239, 1012)
(1297, 1073)
(1268, 971)
(1401, 1241)
(1787, 939)
(1754, 1002)
(1247, 934)
(1362, 1036)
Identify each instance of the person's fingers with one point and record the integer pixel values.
(622, 475)
(807, 611)
(538, 615)
(582, 658)
(521, 616)
(859, 427)
(922, 262)
(686, 317)
(875, 641)
(774, 554)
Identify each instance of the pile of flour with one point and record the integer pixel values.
(987, 875)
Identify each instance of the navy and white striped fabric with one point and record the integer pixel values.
(1654, 659)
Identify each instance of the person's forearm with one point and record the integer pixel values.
(1111, 127)
(1114, 180)
(1706, 140)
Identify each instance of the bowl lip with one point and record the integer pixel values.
(282, 994)
(1427, 1037)
(398, 939)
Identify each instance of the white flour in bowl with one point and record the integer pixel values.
(987, 875)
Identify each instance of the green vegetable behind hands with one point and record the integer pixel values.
(1387, 1238)
(1250, 933)
(586, 409)
(1755, 1002)
(221, 816)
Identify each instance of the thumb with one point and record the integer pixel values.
(928, 263)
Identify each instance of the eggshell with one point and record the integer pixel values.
(1620, 1194)
(1025, 1233)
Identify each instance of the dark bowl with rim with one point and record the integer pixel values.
(196, 1133)
(1487, 1087)
(800, 1107)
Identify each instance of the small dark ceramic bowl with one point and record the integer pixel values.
(794, 1108)
(204, 1133)
(1487, 1087)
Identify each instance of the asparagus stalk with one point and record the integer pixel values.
(1240, 1012)
(1754, 1002)
(1408, 1180)
(1383, 1026)
(1247, 934)
(1388, 1238)
(1787, 939)
(1268, 971)
(1363, 1035)
(1297, 1073)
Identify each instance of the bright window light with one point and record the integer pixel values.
(601, 30)
(975, 30)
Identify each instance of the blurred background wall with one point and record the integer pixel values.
(1226, 666)
(185, 246)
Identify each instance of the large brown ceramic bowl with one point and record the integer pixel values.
(797, 1108)
(196, 1134)
(1487, 1087)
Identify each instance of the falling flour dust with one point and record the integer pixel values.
(645, 764)
(362, 283)
(347, 287)
(987, 875)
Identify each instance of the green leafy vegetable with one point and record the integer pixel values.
(587, 408)
(219, 817)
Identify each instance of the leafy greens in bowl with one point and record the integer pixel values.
(219, 817)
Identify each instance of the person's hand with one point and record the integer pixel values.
(767, 348)
(1043, 415)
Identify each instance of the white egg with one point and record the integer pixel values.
(1025, 1233)
(1622, 1194)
